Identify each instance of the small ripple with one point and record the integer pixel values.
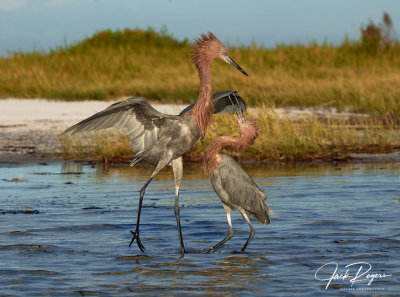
(305, 262)
(37, 251)
(368, 256)
(77, 228)
(9, 271)
(384, 240)
(23, 246)
(326, 223)
(346, 241)
(57, 173)
(134, 258)
(19, 233)
(92, 207)
(19, 211)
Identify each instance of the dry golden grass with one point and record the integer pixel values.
(279, 139)
(157, 67)
(105, 146)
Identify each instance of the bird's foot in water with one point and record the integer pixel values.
(182, 253)
(137, 238)
(210, 251)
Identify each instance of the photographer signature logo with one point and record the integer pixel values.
(354, 273)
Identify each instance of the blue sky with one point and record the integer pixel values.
(44, 24)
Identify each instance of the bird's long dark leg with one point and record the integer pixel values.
(136, 233)
(177, 168)
(163, 162)
(252, 230)
(230, 234)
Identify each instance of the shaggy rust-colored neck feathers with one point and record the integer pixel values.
(247, 136)
(206, 49)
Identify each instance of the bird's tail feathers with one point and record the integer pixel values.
(272, 213)
(263, 215)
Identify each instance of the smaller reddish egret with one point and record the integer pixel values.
(235, 188)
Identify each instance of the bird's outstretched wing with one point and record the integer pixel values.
(222, 102)
(242, 189)
(135, 115)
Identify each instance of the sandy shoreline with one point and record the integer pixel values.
(29, 128)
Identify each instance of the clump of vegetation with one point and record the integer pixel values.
(104, 146)
(139, 39)
(375, 38)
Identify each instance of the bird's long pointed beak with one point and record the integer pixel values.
(230, 61)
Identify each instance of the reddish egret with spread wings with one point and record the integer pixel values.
(161, 139)
(235, 188)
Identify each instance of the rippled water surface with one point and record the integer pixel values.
(64, 231)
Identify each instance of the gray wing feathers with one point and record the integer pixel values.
(222, 103)
(134, 115)
(242, 189)
(215, 180)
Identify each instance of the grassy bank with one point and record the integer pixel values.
(280, 139)
(154, 65)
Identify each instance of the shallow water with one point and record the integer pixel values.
(65, 232)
